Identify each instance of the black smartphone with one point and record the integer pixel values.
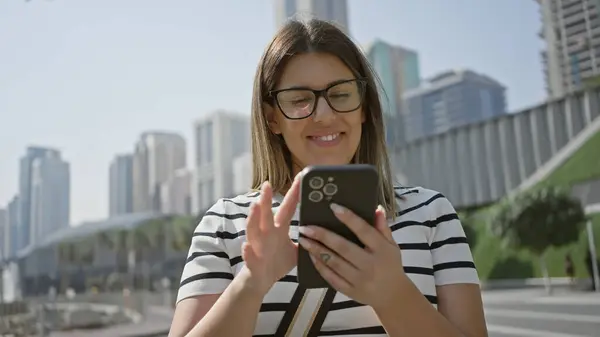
(353, 186)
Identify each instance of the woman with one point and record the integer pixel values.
(315, 101)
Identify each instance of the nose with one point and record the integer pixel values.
(323, 112)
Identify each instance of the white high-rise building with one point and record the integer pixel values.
(176, 193)
(156, 158)
(242, 173)
(120, 199)
(220, 137)
(12, 219)
(24, 231)
(4, 236)
(50, 196)
(329, 10)
(571, 31)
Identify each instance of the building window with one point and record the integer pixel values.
(209, 142)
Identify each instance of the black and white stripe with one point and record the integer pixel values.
(428, 231)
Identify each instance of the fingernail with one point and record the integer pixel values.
(304, 243)
(337, 209)
(299, 175)
(380, 208)
(264, 184)
(306, 230)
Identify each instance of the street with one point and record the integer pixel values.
(509, 313)
(532, 313)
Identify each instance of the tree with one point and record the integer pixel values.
(470, 232)
(539, 219)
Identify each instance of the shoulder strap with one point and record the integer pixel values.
(315, 328)
(306, 313)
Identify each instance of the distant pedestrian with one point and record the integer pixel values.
(570, 269)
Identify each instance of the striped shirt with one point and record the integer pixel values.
(427, 229)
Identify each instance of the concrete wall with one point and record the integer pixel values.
(482, 162)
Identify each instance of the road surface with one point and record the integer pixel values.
(509, 313)
(531, 313)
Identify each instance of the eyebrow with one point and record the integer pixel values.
(330, 84)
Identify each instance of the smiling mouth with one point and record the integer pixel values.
(327, 138)
(330, 140)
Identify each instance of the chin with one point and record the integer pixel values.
(330, 160)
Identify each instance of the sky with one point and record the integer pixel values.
(88, 77)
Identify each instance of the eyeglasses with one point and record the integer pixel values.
(298, 103)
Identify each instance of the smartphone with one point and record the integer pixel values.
(353, 186)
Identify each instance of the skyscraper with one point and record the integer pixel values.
(50, 196)
(121, 185)
(220, 137)
(399, 71)
(176, 193)
(572, 55)
(4, 237)
(329, 10)
(25, 191)
(157, 156)
(12, 216)
(451, 99)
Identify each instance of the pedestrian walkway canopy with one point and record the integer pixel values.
(71, 233)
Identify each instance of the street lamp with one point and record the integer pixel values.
(591, 243)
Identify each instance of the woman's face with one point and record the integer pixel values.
(326, 137)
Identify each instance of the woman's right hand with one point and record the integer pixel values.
(268, 252)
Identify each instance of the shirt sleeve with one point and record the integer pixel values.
(207, 269)
(452, 257)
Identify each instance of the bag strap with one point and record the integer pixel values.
(315, 328)
(285, 325)
(305, 313)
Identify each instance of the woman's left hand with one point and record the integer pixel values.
(372, 275)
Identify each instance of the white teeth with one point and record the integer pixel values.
(328, 138)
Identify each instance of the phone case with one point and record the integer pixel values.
(353, 186)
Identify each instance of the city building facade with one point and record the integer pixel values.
(242, 173)
(120, 200)
(398, 71)
(571, 32)
(335, 11)
(451, 99)
(219, 138)
(12, 216)
(24, 232)
(4, 237)
(482, 162)
(156, 158)
(50, 196)
(176, 193)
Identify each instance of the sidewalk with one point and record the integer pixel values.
(155, 323)
(538, 295)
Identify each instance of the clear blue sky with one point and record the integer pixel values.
(88, 77)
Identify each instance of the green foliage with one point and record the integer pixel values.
(470, 232)
(511, 267)
(539, 219)
(592, 82)
(182, 229)
(583, 165)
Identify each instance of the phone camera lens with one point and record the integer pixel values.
(316, 183)
(330, 189)
(315, 196)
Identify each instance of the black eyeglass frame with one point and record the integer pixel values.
(361, 82)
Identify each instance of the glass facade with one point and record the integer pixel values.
(398, 70)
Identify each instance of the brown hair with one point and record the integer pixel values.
(271, 159)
